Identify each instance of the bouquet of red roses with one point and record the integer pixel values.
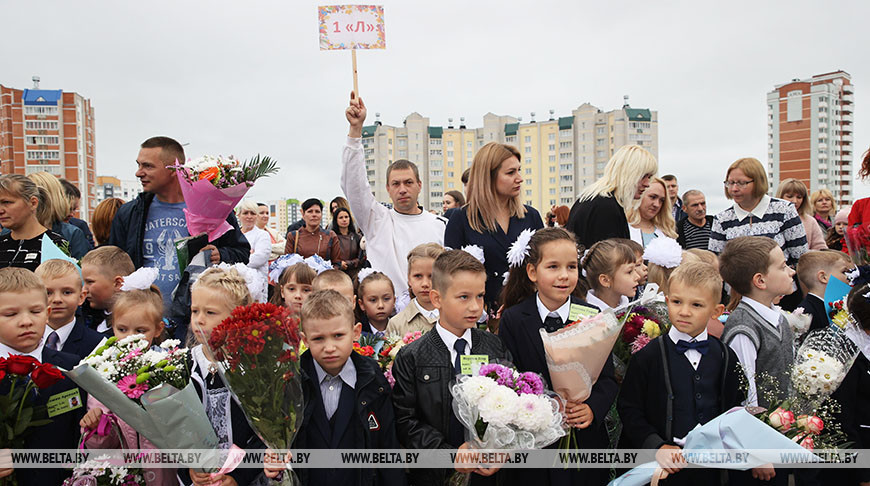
(257, 348)
(17, 414)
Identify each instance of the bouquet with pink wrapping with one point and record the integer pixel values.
(213, 186)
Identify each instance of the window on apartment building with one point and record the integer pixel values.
(511, 139)
(553, 191)
(528, 182)
(527, 139)
(528, 170)
(450, 143)
(528, 149)
(565, 145)
(51, 169)
(435, 173)
(566, 178)
(435, 153)
(551, 158)
(469, 145)
(601, 130)
(552, 202)
(450, 174)
(42, 139)
(551, 136)
(528, 193)
(552, 168)
(435, 141)
(565, 166)
(436, 193)
(469, 155)
(43, 154)
(552, 147)
(40, 110)
(449, 185)
(449, 163)
(450, 154)
(40, 125)
(552, 180)
(566, 156)
(528, 160)
(564, 133)
(794, 106)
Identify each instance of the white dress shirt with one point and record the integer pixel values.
(745, 350)
(330, 386)
(693, 355)
(758, 211)
(603, 306)
(5, 351)
(63, 333)
(428, 314)
(449, 339)
(562, 312)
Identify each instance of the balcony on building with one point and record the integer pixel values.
(823, 135)
(847, 158)
(823, 114)
(823, 166)
(823, 155)
(848, 88)
(846, 138)
(823, 146)
(823, 125)
(849, 98)
(847, 128)
(823, 104)
(823, 176)
(846, 108)
(847, 118)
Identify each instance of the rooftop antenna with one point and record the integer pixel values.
(533, 117)
(35, 82)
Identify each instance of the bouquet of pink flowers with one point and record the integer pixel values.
(384, 349)
(213, 186)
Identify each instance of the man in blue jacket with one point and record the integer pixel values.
(147, 227)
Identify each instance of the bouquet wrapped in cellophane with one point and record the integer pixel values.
(384, 349)
(149, 388)
(501, 408)
(213, 186)
(257, 350)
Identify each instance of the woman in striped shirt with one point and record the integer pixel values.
(754, 213)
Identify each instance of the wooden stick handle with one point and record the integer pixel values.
(355, 82)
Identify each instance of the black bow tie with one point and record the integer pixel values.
(699, 346)
(553, 323)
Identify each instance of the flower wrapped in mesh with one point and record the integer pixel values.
(821, 363)
(501, 408)
(257, 351)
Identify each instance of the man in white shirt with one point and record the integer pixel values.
(390, 233)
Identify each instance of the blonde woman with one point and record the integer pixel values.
(21, 246)
(654, 216)
(494, 214)
(754, 213)
(825, 208)
(54, 210)
(795, 192)
(599, 213)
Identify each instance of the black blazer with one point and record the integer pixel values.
(82, 340)
(422, 399)
(597, 219)
(853, 395)
(815, 306)
(519, 330)
(644, 400)
(63, 431)
(373, 399)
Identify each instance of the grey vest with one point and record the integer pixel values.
(775, 348)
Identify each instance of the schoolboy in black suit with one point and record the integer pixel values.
(814, 270)
(347, 397)
(424, 369)
(66, 332)
(24, 306)
(680, 379)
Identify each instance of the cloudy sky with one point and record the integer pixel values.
(248, 77)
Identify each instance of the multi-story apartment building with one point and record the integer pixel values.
(49, 131)
(560, 156)
(109, 186)
(809, 133)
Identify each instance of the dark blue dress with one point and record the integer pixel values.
(495, 245)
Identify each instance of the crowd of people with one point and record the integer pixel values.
(401, 269)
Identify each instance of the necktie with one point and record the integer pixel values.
(553, 323)
(699, 346)
(459, 346)
(52, 341)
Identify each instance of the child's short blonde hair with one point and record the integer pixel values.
(326, 304)
(229, 282)
(699, 275)
(55, 268)
(150, 300)
(16, 280)
(331, 279)
(449, 264)
(699, 255)
(426, 250)
(660, 275)
(111, 261)
(811, 262)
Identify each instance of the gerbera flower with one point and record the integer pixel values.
(130, 388)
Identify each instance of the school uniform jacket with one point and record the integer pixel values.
(815, 306)
(421, 397)
(62, 432)
(646, 400)
(519, 329)
(82, 340)
(368, 422)
(853, 395)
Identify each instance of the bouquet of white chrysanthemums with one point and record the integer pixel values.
(503, 409)
(101, 471)
(821, 363)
